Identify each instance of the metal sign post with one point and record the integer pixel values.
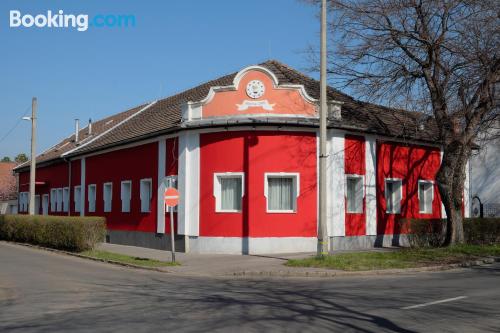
(171, 199)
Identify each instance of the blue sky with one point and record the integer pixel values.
(174, 45)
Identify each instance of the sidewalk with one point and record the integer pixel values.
(226, 264)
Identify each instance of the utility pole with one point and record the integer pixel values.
(33, 157)
(322, 230)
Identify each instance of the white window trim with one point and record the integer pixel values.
(355, 176)
(217, 190)
(425, 181)
(150, 180)
(110, 197)
(95, 197)
(78, 203)
(400, 194)
(130, 195)
(296, 178)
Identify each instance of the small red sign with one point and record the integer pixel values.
(171, 197)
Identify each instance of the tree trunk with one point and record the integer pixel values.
(450, 180)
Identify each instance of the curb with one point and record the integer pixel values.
(338, 273)
(117, 263)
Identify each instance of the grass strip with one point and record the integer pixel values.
(404, 258)
(105, 255)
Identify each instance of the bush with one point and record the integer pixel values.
(432, 232)
(72, 233)
(482, 230)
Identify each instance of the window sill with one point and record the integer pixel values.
(281, 211)
(227, 211)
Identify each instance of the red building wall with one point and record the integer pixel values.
(256, 153)
(410, 163)
(354, 163)
(132, 164)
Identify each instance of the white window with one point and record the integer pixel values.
(354, 193)
(53, 199)
(66, 199)
(45, 204)
(170, 181)
(23, 201)
(228, 191)
(91, 197)
(37, 204)
(126, 195)
(59, 201)
(107, 196)
(281, 191)
(425, 196)
(146, 193)
(393, 195)
(78, 198)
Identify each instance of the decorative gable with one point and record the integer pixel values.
(256, 92)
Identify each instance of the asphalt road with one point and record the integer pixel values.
(46, 292)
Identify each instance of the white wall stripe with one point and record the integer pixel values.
(371, 190)
(160, 212)
(83, 187)
(336, 184)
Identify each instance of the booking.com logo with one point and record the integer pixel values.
(59, 19)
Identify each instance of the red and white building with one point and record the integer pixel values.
(243, 152)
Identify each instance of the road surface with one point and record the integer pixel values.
(47, 292)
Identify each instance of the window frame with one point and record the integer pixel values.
(150, 181)
(355, 176)
(296, 188)
(77, 203)
(218, 190)
(129, 197)
(393, 180)
(427, 182)
(110, 208)
(93, 210)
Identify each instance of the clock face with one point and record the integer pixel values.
(255, 89)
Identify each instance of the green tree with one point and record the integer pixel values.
(6, 159)
(21, 158)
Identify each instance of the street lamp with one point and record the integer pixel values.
(33, 156)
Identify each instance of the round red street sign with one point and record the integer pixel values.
(171, 197)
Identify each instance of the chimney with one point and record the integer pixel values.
(90, 127)
(335, 110)
(77, 129)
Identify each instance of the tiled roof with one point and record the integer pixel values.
(7, 181)
(165, 115)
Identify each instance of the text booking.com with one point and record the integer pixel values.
(80, 22)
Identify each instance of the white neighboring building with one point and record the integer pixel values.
(485, 179)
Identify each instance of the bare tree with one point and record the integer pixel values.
(439, 57)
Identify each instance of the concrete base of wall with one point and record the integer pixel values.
(367, 242)
(144, 239)
(251, 245)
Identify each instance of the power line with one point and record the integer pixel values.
(16, 124)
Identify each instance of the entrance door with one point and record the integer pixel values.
(45, 204)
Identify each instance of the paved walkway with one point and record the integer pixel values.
(223, 264)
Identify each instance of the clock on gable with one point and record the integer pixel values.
(255, 89)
